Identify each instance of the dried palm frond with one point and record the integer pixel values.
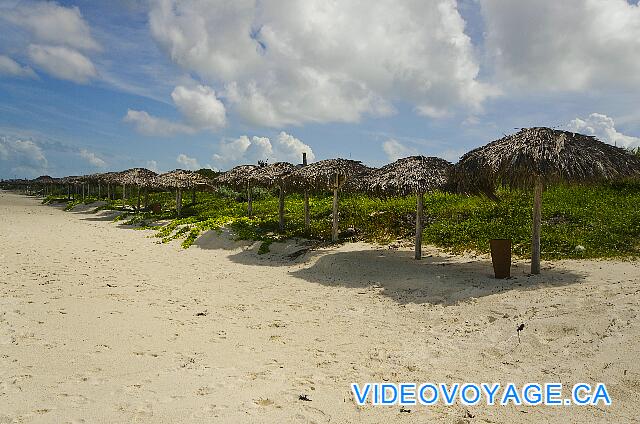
(551, 156)
(137, 176)
(411, 175)
(237, 177)
(324, 175)
(273, 174)
(180, 178)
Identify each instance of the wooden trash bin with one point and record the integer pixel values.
(501, 257)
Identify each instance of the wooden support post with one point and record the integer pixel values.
(334, 229)
(281, 209)
(83, 192)
(419, 202)
(99, 194)
(306, 212)
(306, 199)
(249, 202)
(178, 200)
(537, 223)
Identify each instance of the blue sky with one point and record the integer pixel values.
(91, 86)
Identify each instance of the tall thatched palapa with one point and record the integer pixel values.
(536, 157)
(141, 178)
(329, 174)
(111, 179)
(180, 180)
(46, 182)
(275, 175)
(239, 178)
(118, 178)
(93, 178)
(412, 175)
(69, 181)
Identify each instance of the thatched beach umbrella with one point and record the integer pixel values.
(536, 157)
(69, 181)
(180, 180)
(329, 174)
(110, 179)
(140, 177)
(101, 178)
(118, 178)
(412, 175)
(274, 175)
(239, 178)
(45, 181)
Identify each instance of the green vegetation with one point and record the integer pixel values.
(604, 219)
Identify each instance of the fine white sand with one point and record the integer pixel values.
(100, 323)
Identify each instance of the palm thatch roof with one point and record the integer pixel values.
(322, 175)
(17, 181)
(45, 179)
(273, 174)
(181, 178)
(410, 175)
(91, 177)
(541, 153)
(71, 179)
(136, 176)
(237, 177)
(109, 177)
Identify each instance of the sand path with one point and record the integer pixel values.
(99, 323)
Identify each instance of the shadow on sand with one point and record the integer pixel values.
(436, 279)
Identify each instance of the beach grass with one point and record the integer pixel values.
(578, 221)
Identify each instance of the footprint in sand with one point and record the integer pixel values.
(204, 391)
(262, 375)
(220, 336)
(139, 410)
(93, 380)
(16, 382)
(75, 399)
(213, 411)
(264, 402)
(132, 388)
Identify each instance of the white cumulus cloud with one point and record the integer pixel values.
(152, 165)
(23, 157)
(603, 127)
(396, 150)
(92, 158)
(63, 62)
(199, 106)
(12, 68)
(153, 126)
(246, 150)
(56, 38)
(289, 62)
(187, 162)
(52, 23)
(563, 45)
(290, 149)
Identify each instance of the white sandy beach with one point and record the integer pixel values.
(100, 323)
